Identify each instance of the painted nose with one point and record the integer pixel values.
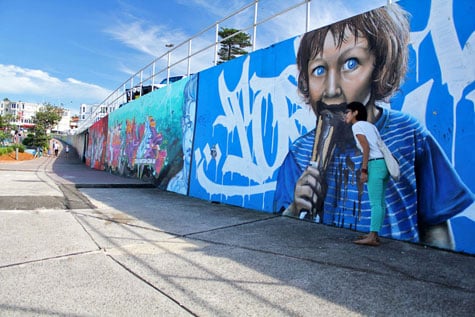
(333, 89)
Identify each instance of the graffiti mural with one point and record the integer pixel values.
(263, 117)
(179, 183)
(266, 131)
(144, 138)
(96, 147)
(439, 92)
(248, 112)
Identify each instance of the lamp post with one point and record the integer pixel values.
(169, 45)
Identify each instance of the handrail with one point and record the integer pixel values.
(119, 96)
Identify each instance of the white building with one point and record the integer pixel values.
(85, 111)
(64, 125)
(89, 114)
(22, 111)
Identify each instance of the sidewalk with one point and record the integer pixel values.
(81, 242)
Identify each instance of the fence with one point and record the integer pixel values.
(148, 78)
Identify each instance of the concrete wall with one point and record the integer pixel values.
(225, 135)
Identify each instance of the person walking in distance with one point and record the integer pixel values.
(55, 148)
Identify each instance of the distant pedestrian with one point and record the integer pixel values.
(67, 151)
(55, 148)
(37, 152)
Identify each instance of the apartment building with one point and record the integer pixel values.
(22, 111)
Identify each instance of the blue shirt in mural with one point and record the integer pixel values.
(429, 191)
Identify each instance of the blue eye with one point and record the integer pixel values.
(319, 71)
(350, 64)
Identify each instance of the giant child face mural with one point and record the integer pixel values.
(363, 59)
(255, 135)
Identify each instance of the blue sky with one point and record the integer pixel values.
(72, 52)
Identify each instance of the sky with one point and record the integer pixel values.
(70, 52)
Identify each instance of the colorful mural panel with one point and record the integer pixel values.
(144, 138)
(255, 135)
(179, 183)
(96, 144)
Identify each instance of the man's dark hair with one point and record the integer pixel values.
(362, 113)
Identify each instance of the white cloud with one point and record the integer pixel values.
(152, 40)
(19, 83)
(219, 8)
(137, 36)
(145, 37)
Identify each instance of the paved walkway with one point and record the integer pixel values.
(80, 242)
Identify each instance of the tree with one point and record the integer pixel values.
(5, 127)
(38, 138)
(234, 46)
(4, 136)
(5, 121)
(48, 116)
(44, 119)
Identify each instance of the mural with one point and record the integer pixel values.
(266, 131)
(179, 183)
(255, 134)
(144, 137)
(96, 145)
(241, 140)
(439, 92)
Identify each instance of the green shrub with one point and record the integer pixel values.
(12, 148)
(34, 140)
(5, 150)
(21, 147)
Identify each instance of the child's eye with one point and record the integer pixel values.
(351, 64)
(318, 71)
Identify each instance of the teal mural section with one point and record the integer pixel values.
(144, 138)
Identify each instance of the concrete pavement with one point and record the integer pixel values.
(80, 242)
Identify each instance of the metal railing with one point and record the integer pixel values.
(147, 75)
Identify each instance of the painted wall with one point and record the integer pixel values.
(242, 139)
(225, 135)
(78, 142)
(144, 137)
(95, 155)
